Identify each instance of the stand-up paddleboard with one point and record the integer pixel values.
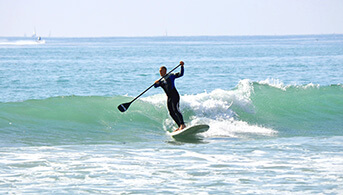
(189, 132)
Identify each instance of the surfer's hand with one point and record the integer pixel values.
(157, 81)
(182, 63)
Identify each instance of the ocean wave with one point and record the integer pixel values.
(308, 109)
(264, 108)
(250, 110)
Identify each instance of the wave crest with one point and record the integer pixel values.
(251, 109)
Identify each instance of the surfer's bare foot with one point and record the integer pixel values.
(180, 128)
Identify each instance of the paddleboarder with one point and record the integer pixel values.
(168, 85)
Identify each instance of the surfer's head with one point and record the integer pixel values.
(163, 71)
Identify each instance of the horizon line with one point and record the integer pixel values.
(151, 36)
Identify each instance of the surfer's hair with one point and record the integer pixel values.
(163, 67)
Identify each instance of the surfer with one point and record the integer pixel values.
(168, 85)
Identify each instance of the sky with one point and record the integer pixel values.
(111, 18)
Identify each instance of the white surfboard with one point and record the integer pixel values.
(190, 131)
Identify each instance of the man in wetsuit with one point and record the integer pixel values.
(168, 85)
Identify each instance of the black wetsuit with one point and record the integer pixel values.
(168, 85)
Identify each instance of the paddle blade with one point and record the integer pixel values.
(124, 107)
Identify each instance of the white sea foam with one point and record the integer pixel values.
(215, 108)
(274, 83)
(311, 85)
(22, 42)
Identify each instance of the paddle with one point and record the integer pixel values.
(125, 106)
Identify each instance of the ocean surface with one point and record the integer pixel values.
(274, 105)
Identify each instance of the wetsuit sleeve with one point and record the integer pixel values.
(180, 74)
(157, 84)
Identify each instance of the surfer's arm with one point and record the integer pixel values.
(157, 83)
(180, 74)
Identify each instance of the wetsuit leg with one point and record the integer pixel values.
(174, 111)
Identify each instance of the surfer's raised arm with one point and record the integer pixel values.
(180, 74)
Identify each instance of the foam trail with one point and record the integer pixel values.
(22, 42)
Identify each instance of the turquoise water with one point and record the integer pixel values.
(274, 105)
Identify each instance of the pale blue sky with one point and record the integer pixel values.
(96, 18)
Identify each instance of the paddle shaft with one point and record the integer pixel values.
(154, 84)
